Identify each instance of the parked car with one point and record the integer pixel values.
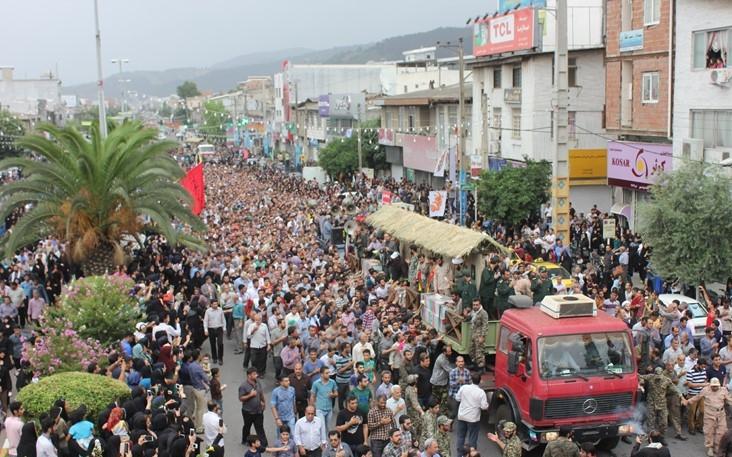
(698, 311)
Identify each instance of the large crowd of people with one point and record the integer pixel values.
(358, 373)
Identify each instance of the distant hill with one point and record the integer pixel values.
(225, 75)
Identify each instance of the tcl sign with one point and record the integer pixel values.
(514, 31)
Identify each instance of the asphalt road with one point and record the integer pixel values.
(233, 375)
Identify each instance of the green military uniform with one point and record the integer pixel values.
(657, 386)
(459, 278)
(561, 447)
(541, 288)
(443, 443)
(503, 291)
(429, 425)
(479, 326)
(673, 402)
(468, 292)
(487, 291)
(412, 401)
(513, 447)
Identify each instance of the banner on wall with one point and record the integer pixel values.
(438, 199)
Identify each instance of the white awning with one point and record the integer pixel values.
(622, 210)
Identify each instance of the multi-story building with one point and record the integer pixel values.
(513, 89)
(702, 113)
(31, 99)
(418, 131)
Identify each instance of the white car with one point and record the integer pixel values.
(698, 311)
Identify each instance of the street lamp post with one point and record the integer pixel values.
(100, 78)
(122, 81)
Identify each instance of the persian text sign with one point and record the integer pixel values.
(637, 165)
(514, 31)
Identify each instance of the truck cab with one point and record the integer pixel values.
(563, 368)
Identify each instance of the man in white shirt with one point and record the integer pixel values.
(44, 445)
(472, 400)
(357, 352)
(164, 326)
(213, 424)
(259, 343)
(309, 436)
(214, 323)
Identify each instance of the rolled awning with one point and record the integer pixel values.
(622, 210)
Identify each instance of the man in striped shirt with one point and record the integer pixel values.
(696, 379)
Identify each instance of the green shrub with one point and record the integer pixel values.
(95, 391)
(99, 307)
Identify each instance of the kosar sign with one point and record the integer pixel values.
(514, 31)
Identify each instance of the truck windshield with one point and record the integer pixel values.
(588, 354)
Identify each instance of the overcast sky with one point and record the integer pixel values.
(38, 35)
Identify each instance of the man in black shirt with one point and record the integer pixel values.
(424, 373)
(351, 425)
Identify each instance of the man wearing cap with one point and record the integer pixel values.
(487, 285)
(715, 418)
(510, 444)
(504, 289)
(541, 286)
(442, 435)
(479, 323)
(657, 387)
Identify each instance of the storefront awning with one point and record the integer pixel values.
(439, 237)
(622, 210)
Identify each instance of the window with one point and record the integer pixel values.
(496, 130)
(651, 12)
(411, 122)
(517, 76)
(650, 87)
(713, 126)
(711, 49)
(497, 78)
(589, 354)
(572, 125)
(516, 123)
(572, 72)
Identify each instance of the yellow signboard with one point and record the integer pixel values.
(590, 164)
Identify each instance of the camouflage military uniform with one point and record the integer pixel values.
(561, 447)
(412, 402)
(479, 325)
(657, 385)
(443, 443)
(429, 425)
(513, 447)
(673, 402)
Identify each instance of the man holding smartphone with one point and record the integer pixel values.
(213, 424)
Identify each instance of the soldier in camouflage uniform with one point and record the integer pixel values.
(657, 386)
(673, 402)
(479, 324)
(563, 446)
(414, 410)
(511, 444)
(429, 422)
(442, 435)
(541, 286)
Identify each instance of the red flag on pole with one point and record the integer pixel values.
(193, 183)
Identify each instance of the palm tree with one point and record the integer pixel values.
(92, 194)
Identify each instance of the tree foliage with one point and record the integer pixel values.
(513, 194)
(187, 90)
(91, 194)
(10, 129)
(339, 158)
(688, 224)
(374, 155)
(215, 118)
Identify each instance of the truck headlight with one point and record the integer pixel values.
(627, 429)
(549, 436)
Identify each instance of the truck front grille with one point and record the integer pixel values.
(562, 408)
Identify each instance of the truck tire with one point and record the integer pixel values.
(503, 413)
(608, 444)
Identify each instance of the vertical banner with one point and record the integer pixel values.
(438, 199)
(441, 164)
(193, 183)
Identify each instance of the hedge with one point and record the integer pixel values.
(94, 391)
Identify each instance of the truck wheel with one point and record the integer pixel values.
(503, 413)
(608, 444)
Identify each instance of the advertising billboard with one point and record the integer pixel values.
(587, 164)
(637, 165)
(506, 5)
(324, 105)
(341, 105)
(631, 40)
(514, 31)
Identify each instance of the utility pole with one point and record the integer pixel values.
(360, 159)
(100, 78)
(236, 119)
(560, 169)
(461, 118)
(122, 81)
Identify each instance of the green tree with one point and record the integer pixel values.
(91, 194)
(339, 158)
(688, 224)
(513, 194)
(10, 129)
(374, 155)
(215, 118)
(165, 111)
(185, 91)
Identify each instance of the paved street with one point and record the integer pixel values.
(233, 375)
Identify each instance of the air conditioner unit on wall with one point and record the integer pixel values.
(692, 149)
(720, 77)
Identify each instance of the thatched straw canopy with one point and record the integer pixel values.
(439, 237)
